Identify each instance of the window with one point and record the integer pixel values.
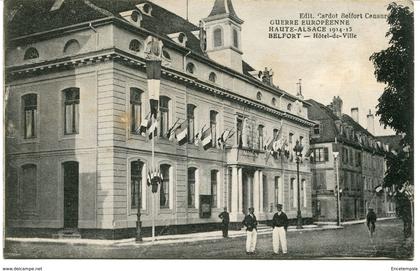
(213, 127)
(293, 192)
(190, 68)
(190, 120)
(289, 106)
(182, 38)
(212, 77)
(166, 54)
(316, 129)
(274, 101)
(351, 156)
(135, 45)
(260, 137)
(164, 115)
(291, 138)
(31, 53)
(135, 107)
(30, 115)
(135, 16)
(71, 47)
(303, 188)
(213, 192)
(28, 188)
(320, 154)
(217, 37)
(259, 96)
(164, 187)
(319, 181)
(71, 111)
(239, 128)
(136, 183)
(235, 38)
(191, 187)
(275, 132)
(276, 190)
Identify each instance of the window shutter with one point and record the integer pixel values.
(326, 154)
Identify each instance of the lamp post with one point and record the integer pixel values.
(138, 222)
(335, 154)
(298, 151)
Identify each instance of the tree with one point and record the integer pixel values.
(394, 66)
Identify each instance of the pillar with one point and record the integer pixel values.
(256, 191)
(261, 190)
(240, 191)
(234, 191)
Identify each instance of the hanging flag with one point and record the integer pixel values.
(153, 70)
(309, 155)
(198, 135)
(182, 133)
(170, 132)
(206, 139)
(145, 124)
(267, 142)
(153, 128)
(223, 138)
(154, 178)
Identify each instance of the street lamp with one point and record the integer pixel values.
(298, 151)
(335, 154)
(138, 222)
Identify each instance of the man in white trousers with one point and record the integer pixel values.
(250, 222)
(280, 223)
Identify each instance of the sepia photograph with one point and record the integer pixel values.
(208, 129)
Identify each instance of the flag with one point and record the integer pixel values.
(153, 70)
(224, 136)
(309, 155)
(206, 139)
(145, 124)
(267, 142)
(153, 128)
(182, 133)
(170, 132)
(154, 178)
(198, 135)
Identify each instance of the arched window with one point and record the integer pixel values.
(28, 188)
(182, 38)
(213, 187)
(259, 96)
(164, 197)
(192, 172)
(30, 107)
(147, 8)
(135, 108)
(212, 77)
(235, 38)
(135, 45)
(275, 133)
(31, 53)
(71, 110)
(217, 37)
(166, 54)
(190, 68)
(289, 106)
(260, 137)
(136, 183)
(213, 127)
(190, 120)
(274, 101)
(71, 47)
(164, 115)
(135, 16)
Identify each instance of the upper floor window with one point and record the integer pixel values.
(213, 127)
(235, 38)
(135, 45)
(259, 96)
(239, 129)
(316, 129)
(71, 47)
(135, 16)
(190, 120)
(291, 138)
(213, 187)
(274, 101)
(217, 37)
(136, 183)
(320, 154)
(30, 107)
(275, 132)
(212, 77)
(135, 108)
(260, 137)
(164, 195)
(166, 54)
(191, 187)
(289, 106)
(164, 115)
(31, 53)
(71, 110)
(190, 68)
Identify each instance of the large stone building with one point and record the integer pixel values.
(360, 162)
(77, 95)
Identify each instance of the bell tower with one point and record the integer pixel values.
(223, 30)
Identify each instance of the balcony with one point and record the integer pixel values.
(246, 156)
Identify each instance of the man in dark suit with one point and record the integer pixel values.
(224, 216)
(250, 222)
(280, 224)
(370, 221)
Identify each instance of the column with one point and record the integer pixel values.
(239, 192)
(256, 191)
(261, 184)
(234, 192)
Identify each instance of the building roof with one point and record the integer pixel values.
(224, 8)
(392, 140)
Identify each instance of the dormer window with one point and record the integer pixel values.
(135, 16)
(145, 8)
(274, 101)
(166, 55)
(259, 96)
(31, 53)
(212, 77)
(316, 129)
(190, 68)
(217, 37)
(71, 47)
(132, 16)
(180, 38)
(135, 45)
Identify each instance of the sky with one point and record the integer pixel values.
(327, 67)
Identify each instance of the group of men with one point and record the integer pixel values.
(279, 223)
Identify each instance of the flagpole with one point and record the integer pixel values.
(153, 194)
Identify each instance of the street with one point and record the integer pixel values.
(352, 241)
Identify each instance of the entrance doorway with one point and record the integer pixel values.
(71, 194)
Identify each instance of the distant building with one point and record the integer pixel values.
(77, 95)
(360, 164)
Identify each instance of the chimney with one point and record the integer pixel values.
(355, 114)
(370, 124)
(336, 106)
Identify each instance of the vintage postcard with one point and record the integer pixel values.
(208, 129)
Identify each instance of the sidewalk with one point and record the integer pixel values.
(361, 221)
(167, 239)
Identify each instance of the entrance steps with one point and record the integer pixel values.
(67, 234)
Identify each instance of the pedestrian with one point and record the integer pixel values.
(224, 216)
(370, 221)
(250, 222)
(280, 223)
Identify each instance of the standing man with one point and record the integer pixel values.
(370, 221)
(280, 223)
(250, 222)
(224, 216)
